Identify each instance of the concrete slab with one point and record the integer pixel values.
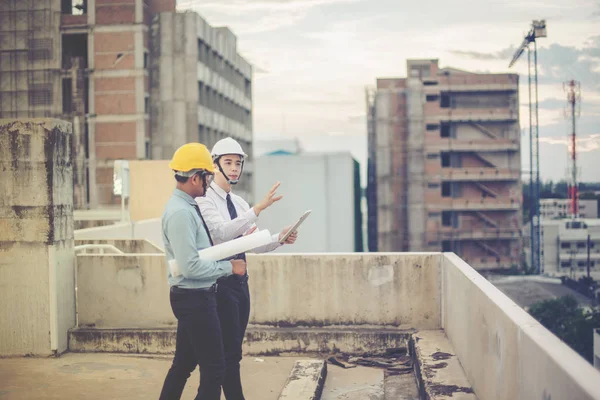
(124, 377)
(360, 383)
(305, 381)
(439, 373)
(400, 387)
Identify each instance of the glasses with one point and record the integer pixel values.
(210, 177)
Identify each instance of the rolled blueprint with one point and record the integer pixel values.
(228, 249)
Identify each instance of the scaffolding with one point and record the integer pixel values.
(29, 58)
(75, 94)
(43, 77)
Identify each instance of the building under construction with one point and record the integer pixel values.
(92, 62)
(444, 164)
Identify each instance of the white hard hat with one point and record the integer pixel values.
(227, 146)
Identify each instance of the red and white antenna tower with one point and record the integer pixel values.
(573, 90)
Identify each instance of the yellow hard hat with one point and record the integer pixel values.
(190, 157)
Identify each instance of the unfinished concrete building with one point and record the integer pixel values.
(201, 88)
(88, 62)
(444, 157)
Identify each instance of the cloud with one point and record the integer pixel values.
(550, 104)
(560, 63)
(556, 63)
(590, 107)
(475, 55)
(256, 16)
(584, 145)
(596, 14)
(358, 119)
(241, 6)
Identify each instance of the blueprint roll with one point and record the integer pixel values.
(229, 249)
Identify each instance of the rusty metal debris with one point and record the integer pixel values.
(394, 360)
(340, 363)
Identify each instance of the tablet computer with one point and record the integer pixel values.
(296, 225)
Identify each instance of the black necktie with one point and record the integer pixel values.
(204, 223)
(233, 215)
(231, 208)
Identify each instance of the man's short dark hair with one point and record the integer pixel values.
(181, 179)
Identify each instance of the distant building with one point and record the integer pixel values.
(328, 184)
(444, 164)
(560, 208)
(565, 246)
(201, 87)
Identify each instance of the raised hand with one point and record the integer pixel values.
(268, 200)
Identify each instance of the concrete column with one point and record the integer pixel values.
(91, 118)
(37, 284)
(415, 100)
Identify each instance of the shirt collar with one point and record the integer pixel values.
(218, 190)
(181, 194)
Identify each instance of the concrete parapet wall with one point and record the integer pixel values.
(383, 289)
(504, 352)
(123, 291)
(371, 290)
(37, 289)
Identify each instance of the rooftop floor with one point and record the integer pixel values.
(127, 377)
(528, 290)
(116, 376)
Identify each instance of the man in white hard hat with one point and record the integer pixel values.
(228, 217)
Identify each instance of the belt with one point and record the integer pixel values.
(177, 289)
(233, 278)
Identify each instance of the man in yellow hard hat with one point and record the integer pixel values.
(192, 293)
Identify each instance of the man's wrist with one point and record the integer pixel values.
(258, 210)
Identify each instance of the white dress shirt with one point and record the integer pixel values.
(222, 228)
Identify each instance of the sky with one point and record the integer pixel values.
(313, 60)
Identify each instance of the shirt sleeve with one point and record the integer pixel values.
(182, 228)
(223, 230)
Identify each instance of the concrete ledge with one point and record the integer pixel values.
(150, 341)
(438, 370)
(306, 381)
(259, 340)
(344, 339)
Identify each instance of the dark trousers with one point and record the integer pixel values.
(233, 305)
(199, 342)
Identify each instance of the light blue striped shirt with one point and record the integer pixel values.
(183, 236)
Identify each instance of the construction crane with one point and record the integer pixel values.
(538, 30)
(573, 89)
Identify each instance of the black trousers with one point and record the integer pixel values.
(233, 305)
(199, 342)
